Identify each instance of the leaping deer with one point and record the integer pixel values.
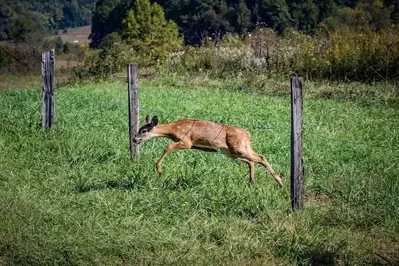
(207, 136)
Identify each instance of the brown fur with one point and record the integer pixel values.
(208, 136)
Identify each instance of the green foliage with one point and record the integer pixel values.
(66, 48)
(326, 8)
(305, 14)
(5, 59)
(111, 60)
(394, 6)
(18, 17)
(147, 39)
(243, 17)
(59, 46)
(23, 27)
(380, 15)
(343, 55)
(275, 14)
(200, 20)
(110, 40)
(148, 32)
(370, 15)
(104, 21)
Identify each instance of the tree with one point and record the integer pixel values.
(110, 40)
(275, 14)
(394, 6)
(101, 24)
(67, 48)
(326, 8)
(349, 17)
(22, 27)
(305, 14)
(380, 15)
(46, 15)
(148, 32)
(190, 14)
(368, 15)
(59, 45)
(243, 17)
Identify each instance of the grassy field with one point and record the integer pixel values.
(72, 196)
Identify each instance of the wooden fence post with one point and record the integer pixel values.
(48, 89)
(132, 74)
(297, 173)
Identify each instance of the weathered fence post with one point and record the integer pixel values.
(297, 178)
(132, 74)
(48, 89)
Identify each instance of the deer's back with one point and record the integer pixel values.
(207, 134)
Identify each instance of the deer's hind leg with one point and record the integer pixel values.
(250, 156)
(240, 147)
(264, 162)
(251, 166)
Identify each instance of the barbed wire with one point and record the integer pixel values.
(20, 83)
(243, 125)
(374, 145)
(304, 133)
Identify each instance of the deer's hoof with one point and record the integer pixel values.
(159, 171)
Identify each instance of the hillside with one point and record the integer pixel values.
(18, 17)
(199, 20)
(79, 34)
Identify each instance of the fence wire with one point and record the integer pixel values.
(243, 125)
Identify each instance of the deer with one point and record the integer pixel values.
(189, 133)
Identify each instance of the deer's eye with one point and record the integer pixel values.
(144, 131)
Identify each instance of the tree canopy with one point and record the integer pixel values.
(201, 19)
(196, 19)
(148, 32)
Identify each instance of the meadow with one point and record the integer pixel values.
(73, 196)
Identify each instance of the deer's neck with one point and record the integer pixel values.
(163, 130)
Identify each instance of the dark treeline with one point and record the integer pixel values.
(20, 17)
(196, 19)
(200, 19)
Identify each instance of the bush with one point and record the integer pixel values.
(107, 62)
(343, 55)
(109, 41)
(5, 59)
(67, 48)
(59, 45)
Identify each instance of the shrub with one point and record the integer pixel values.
(106, 62)
(110, 40)
(66, 48)
(5, 59)
(59, 45)
(342, 55)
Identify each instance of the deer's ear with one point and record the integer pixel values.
(148, 119)
(154, 121)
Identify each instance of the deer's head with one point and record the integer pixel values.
(145, 131)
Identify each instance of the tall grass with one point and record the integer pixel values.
(344, 55)
(72, 196)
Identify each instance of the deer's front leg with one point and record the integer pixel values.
(171, 147)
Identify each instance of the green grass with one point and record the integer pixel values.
(72, 196)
